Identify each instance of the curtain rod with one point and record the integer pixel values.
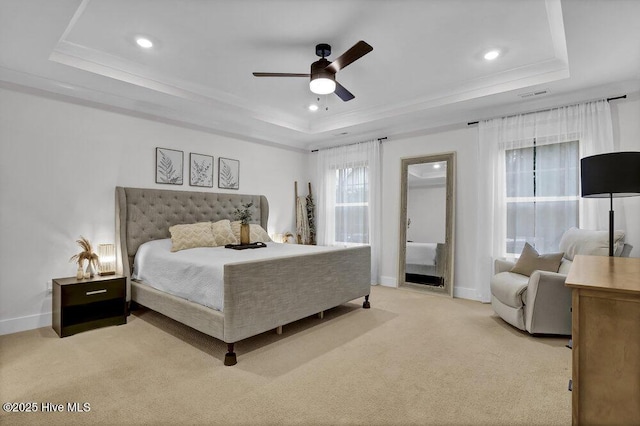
(471, 123)
(355, 143)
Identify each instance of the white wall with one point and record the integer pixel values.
(463, 142)
(59, 165)
(427, 208)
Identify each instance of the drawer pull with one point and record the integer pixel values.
(91, 293)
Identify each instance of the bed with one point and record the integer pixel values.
(424, 260)
(258, 295)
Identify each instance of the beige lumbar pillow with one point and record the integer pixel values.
(191, 236)
(530, 261)
(256, 232)
(222, 233)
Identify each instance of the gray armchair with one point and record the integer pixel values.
(541, 303)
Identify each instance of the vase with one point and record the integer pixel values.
(90, 271)
(245, 233)
(79, 272)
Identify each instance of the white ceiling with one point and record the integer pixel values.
(426, 70)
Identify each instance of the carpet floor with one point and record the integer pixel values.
(412, 359)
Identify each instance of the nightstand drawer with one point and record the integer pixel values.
(93, 292)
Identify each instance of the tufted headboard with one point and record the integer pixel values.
(146, 214)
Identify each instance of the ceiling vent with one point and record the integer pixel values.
(532, 94)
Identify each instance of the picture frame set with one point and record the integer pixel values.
(170, 169)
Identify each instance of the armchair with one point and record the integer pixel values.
(541, 303)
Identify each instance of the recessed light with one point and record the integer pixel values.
(313, 107)
(491, 55)
(144, 42)
(436, 166)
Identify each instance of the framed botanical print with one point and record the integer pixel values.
(228, 173)
(200, 170)
(169, 166)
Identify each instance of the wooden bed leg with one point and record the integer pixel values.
(230, 357)
(321, 315)
(366, 304)
(279, 329)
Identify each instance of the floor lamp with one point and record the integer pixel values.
(616, 174)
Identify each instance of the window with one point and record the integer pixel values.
(542, 195)
(352, 205)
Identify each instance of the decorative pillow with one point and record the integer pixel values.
(222, 233)
(191, 235)
(595, 243)
(256, 232)
(530, 261)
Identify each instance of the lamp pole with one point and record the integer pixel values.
(610, 224)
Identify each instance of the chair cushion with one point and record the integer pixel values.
(595, 243)
(508, 287)
(530, 261)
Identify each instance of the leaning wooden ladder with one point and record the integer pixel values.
(305, 217)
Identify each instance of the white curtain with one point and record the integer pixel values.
(588, 123)
(348, 200)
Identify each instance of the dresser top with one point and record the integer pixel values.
(621, 274)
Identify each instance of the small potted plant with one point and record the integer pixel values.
(86, 254)
(243, 214)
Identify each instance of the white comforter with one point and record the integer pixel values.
(198, 274)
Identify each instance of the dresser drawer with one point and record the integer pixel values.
(91, 292)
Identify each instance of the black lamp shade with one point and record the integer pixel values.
(616, 174)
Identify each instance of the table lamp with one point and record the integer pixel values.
(107, 257)
(616, 174)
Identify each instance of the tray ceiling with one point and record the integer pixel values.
(426, 70)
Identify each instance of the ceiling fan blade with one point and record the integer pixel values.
(343, 93)
(279, 74)
(356, 52)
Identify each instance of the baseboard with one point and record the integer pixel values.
(30, 322)
(389, 281)
(459, 292)
(466, 293)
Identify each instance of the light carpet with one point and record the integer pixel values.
(413, 358)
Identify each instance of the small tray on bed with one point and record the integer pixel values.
(245, 246)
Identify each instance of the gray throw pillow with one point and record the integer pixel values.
(530, 261)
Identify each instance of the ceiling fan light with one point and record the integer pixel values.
(322, 86)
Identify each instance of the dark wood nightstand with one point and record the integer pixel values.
(80, 305)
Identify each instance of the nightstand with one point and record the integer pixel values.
(80, 305)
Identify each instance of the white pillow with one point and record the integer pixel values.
(594, 243)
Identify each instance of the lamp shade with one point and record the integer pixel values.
(616, 174)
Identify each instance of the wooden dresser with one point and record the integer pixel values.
(606, 340)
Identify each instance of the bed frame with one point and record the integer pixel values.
(258, 295)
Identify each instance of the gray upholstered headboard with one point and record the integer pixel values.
(146, 214)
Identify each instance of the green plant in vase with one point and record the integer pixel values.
(243, 214)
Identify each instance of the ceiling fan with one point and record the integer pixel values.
(323, 73)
